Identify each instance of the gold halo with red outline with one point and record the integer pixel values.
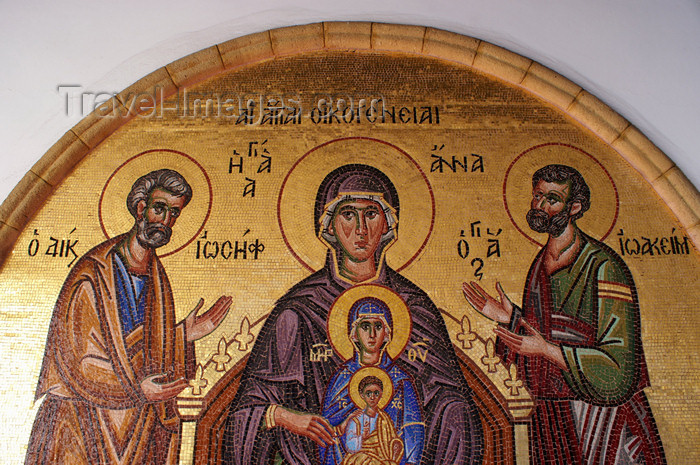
(362, 373)
(297, 198)
(114, 215)
(598, 221)
(337, 325)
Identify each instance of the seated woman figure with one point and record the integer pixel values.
(370, 330)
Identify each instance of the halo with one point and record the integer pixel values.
(338, 319)
(362, 373)
(598, 221)
(297, 198)
(115, 218)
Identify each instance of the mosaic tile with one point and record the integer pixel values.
(352, 255)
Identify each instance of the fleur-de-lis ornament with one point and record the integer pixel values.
(221, 358)
(513, 382)
(198, 382)
(490, 359)
(466, 337)
(244, 337)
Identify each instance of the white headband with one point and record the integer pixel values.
(329, 212)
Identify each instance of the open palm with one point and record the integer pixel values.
(488, 306)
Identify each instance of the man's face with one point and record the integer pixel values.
(371, 395)
(157, 217)
(550, 211)
(371, 334)
(358, 225)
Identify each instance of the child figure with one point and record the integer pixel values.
(370, 326)
(370, 436)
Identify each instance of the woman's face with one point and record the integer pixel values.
(358, 225)
(370, 334)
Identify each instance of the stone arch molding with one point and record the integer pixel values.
(656, 168)
(504, 416)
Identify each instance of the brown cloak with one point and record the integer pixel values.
(94, 410)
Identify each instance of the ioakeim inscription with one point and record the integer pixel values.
(673, 244)
(342, 199)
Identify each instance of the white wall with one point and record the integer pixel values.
(642, 57)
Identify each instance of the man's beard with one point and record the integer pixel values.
(541, 222)
(152, 235)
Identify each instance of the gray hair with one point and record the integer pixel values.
(168, 180)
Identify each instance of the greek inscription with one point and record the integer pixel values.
(463, 248)
(489, 245)
(443, 163)
(249, 188)
(238, 164)
(494, 244)
(480, 264)
(252, 108)
(673, 244)
(320, 352)
(348, 110)
(33, 245)
(476, 230)
(57, 248)
(259, 160)
(277, 112)
(227, 249)
(418, 351)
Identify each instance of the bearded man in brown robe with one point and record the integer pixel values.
(115, 356)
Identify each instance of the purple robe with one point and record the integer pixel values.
(280, 372)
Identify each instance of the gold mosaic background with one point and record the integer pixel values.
(481, 119)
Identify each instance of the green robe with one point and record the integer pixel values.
(595, 409)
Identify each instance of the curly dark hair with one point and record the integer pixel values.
(165, 179)
(368, 380)
(562, 174)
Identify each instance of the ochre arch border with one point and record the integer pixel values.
(666, 179)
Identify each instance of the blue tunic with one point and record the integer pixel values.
(403, 409)
(132, 302)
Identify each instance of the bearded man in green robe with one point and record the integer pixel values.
(577, 338)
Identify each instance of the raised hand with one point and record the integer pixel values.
(487, 305)
(155, 391)
(198, 326)
(532, 344)
(314, 427)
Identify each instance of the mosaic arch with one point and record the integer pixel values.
(357, 206)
